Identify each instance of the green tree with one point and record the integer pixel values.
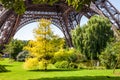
(57, 42)
(19, 5)
(43, 47)
(78, 4)
(14, 47)
(110, 57)
(93, 37)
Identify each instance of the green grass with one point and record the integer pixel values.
(16, 72)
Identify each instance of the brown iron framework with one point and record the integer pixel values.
(63, 16)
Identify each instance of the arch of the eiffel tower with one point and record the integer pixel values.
(62, 15)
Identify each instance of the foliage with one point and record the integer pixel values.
(19, 5)
(31, 63)
(92, 38)
(43, 64)
(69, 55)
(40, 48)
(14, 47)
(111, 56)
(61, 55)
(44, 47)
(73, 65)
(22, 56)
(57, 43)
(50, 2)
(78, 4)
(62, 64)
(75, 56)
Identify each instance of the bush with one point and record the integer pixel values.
(81, 66)
(62, 64)
(61, 55)
(111, 56)
(73, 66)
(31, 64)
(72, 55)
(69, 55)
(43, 64)
(57, 64)
(14, 47)
(22, 55)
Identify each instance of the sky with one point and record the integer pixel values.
(26, 32)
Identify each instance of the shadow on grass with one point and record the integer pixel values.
(81, 78)
(7, 65)
(53, 70)
(3, 69)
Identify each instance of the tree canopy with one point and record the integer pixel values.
(43, 47)
(92, 38)
(110, 57)
(19, 5)
(14, 47)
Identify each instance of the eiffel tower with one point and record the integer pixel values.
(63, 16)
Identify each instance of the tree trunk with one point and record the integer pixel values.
(115, 65)
(45, 66)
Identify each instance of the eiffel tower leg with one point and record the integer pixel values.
(67, 30)
(9, 28)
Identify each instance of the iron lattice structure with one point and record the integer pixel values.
(63, 16)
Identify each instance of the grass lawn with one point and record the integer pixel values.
(18, 73)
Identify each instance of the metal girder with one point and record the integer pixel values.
(109, 11)
(6, 29)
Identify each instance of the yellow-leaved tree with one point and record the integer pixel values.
(42, 49)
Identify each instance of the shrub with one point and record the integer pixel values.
(31, 64)
(14, 47)
(43, 64)
(69, 55)
(62, 64)
(81, 66)
(61, 55)
(48, 66)
(22, 55)
(110, 57)
(57, 64)
(73, 66)
(72, 55)
(51, 66)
